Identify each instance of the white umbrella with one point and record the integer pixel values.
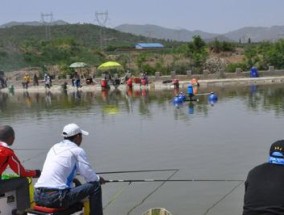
(78, 65)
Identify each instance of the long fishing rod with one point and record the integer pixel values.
(137, 171)
(33, 149)
(202, 94)
(173, 180)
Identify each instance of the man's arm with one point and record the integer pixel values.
(18, 168)
(85, 169)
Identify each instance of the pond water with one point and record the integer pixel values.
(142, 130)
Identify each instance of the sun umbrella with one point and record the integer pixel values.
(110, 65)
(78, 65)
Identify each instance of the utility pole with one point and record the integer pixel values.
(102, 18)
(47, 19)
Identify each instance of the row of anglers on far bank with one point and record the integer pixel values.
(55, 193)
(27, 80)
(106, 81)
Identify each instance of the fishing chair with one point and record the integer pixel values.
(41, 210)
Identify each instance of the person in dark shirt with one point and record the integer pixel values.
(35, 80)
(264, 186)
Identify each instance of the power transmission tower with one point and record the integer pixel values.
(47, 19)
(149, 35)
(102, 18)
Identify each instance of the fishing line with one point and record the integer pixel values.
(178, 180)
(37, 155)
(220, 200)
(119, 192)
(151, 193)
(116, 195)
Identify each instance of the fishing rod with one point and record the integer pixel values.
(202, 94)
(33, 149)
(173, 180)
(137, 171)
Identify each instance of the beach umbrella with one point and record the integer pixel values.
(110, 65)
(78, 65)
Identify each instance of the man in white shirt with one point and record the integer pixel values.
(64, 160)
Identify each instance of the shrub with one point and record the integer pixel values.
(233, 66)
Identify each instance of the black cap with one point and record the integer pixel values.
(277, 149)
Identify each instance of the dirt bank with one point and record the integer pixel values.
(155, 84)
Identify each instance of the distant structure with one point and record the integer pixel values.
(149, 46)
(102, 18)
(47, 19)
(149, 35)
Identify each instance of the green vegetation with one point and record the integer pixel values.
(44, 47)
(265, 54)
(197, 51)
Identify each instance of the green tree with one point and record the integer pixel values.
(197, 52)
(215, 46)
(275, 54)
(221, 46)
(251, 55)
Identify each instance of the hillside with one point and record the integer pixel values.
(29, 46)
(24, 47)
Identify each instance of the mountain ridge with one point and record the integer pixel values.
(254, 34)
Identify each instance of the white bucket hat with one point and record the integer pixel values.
(72, 129)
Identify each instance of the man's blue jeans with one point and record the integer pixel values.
(64, 198)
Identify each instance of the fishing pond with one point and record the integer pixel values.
(140, 134)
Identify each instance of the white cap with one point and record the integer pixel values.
(72, 129)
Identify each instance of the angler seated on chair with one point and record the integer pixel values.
(9, 158)
(63, 161)
(116, 80)
(76, 207)
(89, 81)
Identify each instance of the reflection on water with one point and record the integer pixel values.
(259, 97)
(142, 129)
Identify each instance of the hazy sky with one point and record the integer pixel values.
(213, 16)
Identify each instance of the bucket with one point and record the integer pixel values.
(103, 83)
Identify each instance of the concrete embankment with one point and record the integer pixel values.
(227, 81)
(154, 85)
(242, 81)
